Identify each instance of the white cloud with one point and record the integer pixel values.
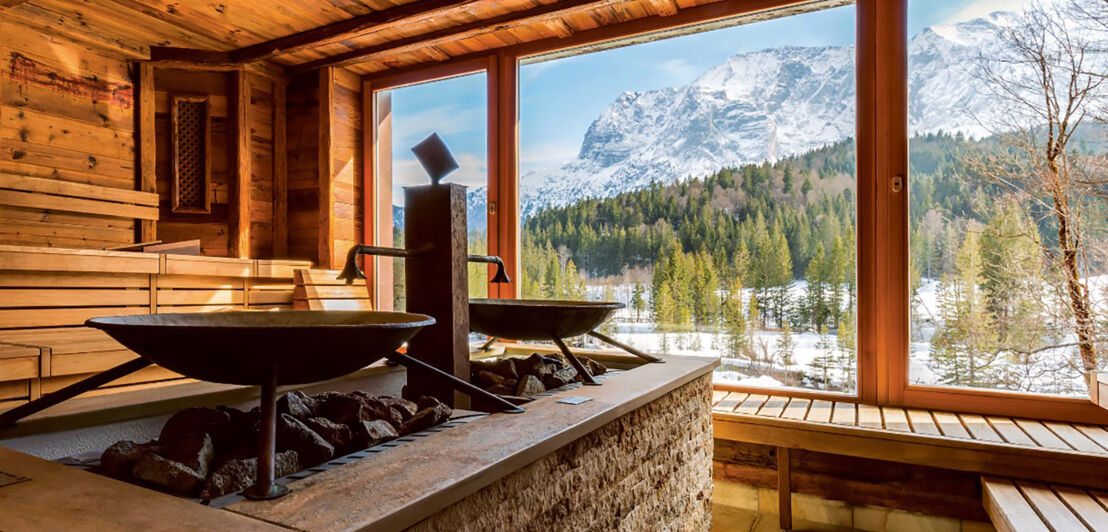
(679, 71)
(445, 120)
(981, 8)
(547, 154)
(472, 172)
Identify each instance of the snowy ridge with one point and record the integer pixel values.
(762, 106)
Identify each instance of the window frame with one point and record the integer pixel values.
(881, 144)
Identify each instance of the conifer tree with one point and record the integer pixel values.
(734, 323)
(638, 301)
(964, 346)
(827, 360)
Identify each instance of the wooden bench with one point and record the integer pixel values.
(1098, 388)
(1023, 506)
(1043, 451)
(322, 290)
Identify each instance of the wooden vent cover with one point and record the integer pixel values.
(191, 128)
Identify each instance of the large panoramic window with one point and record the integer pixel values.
(455, 109)
(1008, 209)
(708, 183)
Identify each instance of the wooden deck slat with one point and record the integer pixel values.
(1074, 437)
(895, 419)
(979, 428)
(922, 422)
(1008, 509)
(869, 416)
(731, 401)
(820, 411)
(844, 414)
(774, 407)
(797, 409)
(1085, 506)
(751, 404)
(1011, 432)
(1052, 510)
(718, 395)
(950, 425)
(1097, 434)
(1042, 435)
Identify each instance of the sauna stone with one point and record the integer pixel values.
(312, 448)
(530, 385)
(240, 474)
(427, 418)
(341, 437)
(171, 475)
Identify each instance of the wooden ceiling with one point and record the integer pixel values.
(365, 36)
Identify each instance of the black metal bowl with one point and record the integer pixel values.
(536, 319)
(245, 347)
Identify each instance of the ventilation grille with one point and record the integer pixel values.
(190, 143)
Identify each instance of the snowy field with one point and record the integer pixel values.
(644, 334)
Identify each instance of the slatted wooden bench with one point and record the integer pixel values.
(1023, 506)
(1043, 451)
(322, 290)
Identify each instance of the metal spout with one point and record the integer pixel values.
(501, 275)
(352, 271)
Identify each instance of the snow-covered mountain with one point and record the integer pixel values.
(761, 106)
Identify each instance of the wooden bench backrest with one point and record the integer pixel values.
(321, 290)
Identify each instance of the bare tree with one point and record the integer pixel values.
(1049, 74)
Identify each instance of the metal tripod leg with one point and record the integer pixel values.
(612, 341)
(586, 377)
(454, 382)
(11, 417)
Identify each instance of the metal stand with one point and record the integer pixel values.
(612, 341)
(265, 488)
(454, 382)
(11, 417)
(586, 377)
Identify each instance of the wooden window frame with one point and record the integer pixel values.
(881, 144)
(175, 177)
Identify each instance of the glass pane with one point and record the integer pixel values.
(456, 109)
(1008, 212)
(707, 182)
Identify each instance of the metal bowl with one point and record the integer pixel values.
(536, 319)
(245, 347)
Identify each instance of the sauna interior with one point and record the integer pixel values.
(638, 265)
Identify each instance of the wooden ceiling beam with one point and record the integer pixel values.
(541, 13)
(11, 3)
(346, 29)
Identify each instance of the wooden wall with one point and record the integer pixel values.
(302, 116)
(348, 166)
(66, 115)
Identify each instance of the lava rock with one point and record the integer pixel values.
(375, 432)
(194, 422)
(118, 461)
(196, 452)
(170, 475)
(341, 437)
(505, 367)
(595, 368)
(296, 404)
(488, 378)
(341, 408)
(240, 474)
(374, 408)
(404, 407)
(500, 389)
(427, 401)
(312, 448)
(426, 418)
(560, 378)
(530, 385)
(534, 364)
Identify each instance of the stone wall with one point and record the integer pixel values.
(648, 470)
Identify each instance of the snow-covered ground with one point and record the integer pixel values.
(645, 335)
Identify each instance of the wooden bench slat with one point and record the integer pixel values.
(1053, 511)
(1085, 506)
(797, 409)
(844, 414)
(718, 395)
(979, 428)
(1042, 435)
(869, 416)
(820, 411)
(1008, 509)
(751, 404)
(774, 406)
(950, 425)
(922, 423)
(895, 419)
(1011, 432)
(1074, 437)
(732, 400)
(1097, 434)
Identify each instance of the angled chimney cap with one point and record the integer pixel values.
(435, 157)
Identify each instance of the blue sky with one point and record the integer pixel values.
(560, 98)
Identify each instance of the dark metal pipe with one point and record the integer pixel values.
(264, 487)
(454, 382)
(586, 377)
(73, 390)
(501, 273)
(352, 271)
